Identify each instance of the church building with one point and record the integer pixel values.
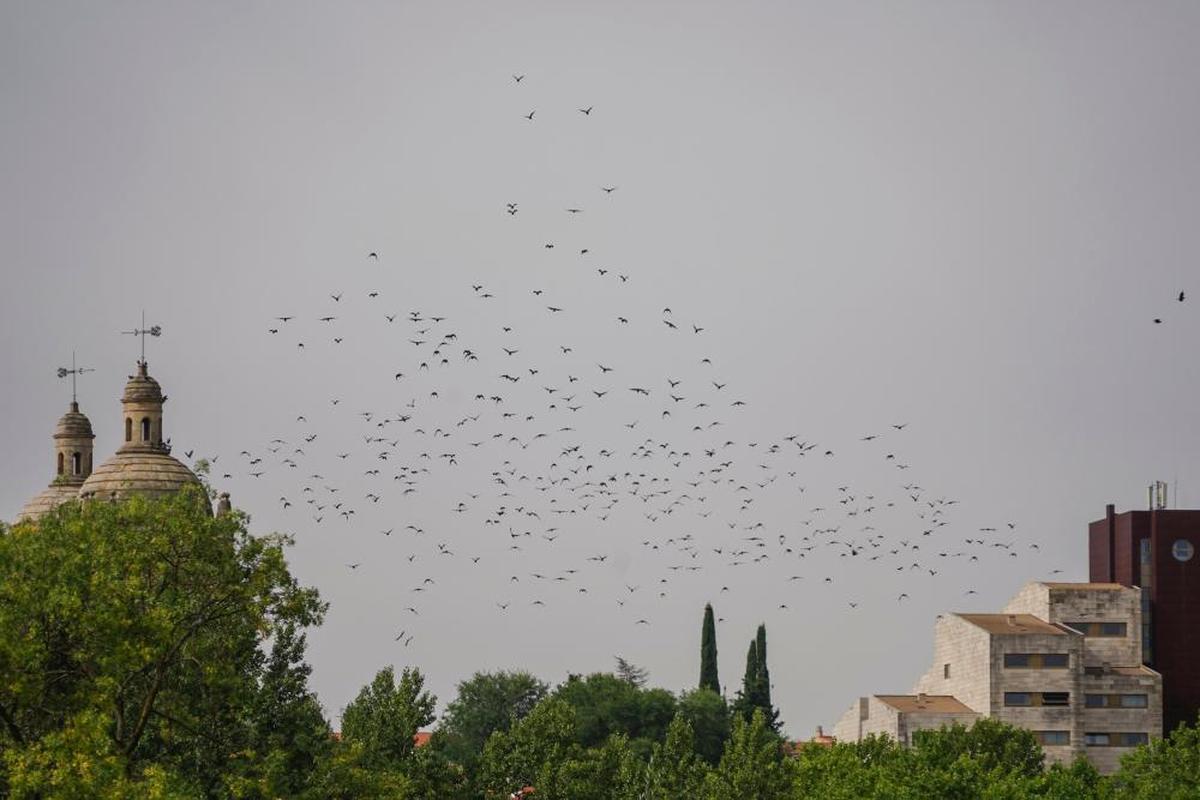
(143, 464)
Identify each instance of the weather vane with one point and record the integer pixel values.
(153, 330)
(74, 371)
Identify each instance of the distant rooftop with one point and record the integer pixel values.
(931, 703)
(1083, 587)
(1013, 624)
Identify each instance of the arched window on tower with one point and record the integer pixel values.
(145, 429)
(60, 463)
(128, 429)
(76, 463)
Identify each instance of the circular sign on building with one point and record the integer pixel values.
(1183, 550)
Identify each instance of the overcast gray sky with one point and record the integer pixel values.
(958, 217)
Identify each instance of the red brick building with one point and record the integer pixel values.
(1159, 551)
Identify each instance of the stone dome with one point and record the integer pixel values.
(151, 473)
(142, 388)
(51, 498)
(74, 425)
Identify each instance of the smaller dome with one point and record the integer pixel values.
(142, 388)
(74, 425)
(53, 497)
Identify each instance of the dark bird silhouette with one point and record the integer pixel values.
(586, 111)
(518, 78)
(529, 116)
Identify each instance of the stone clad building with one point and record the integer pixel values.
(142, 465)
(1063, 660)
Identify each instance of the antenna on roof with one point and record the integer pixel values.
(1156, 494)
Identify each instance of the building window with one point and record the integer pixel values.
(76, 463)
(1053, 738)
(1036, 660)
(1056, 698)
(1018, 698)
(1037, 698)
(946, 672)
(128, 429)
(1116, 700)
(1132, 739)
(145, 429)
(1100, 629)
(60, 463)
(1095, 739)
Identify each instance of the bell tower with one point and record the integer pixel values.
(73, 444)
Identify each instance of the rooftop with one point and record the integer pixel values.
(1013, 624)
(1084, 587)
(929, 703)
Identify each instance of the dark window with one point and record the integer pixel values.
(1016, 659)
(946, 671)
(1093, 670)
(76, 463)
(1112, 628)
(1056, 698)
(1095, 739)
(128, 429)
(1134, 701)
(60, 463)
(1054, 660)
(1018, 699)
(1095, 700)
(1053, 738)
(1131, 739)
(145, 429)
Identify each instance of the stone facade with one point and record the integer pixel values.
(1063, 660)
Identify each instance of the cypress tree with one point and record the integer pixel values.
(746, 701)
(708, 652)
(762, 683)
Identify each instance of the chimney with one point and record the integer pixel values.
(921, 698)
(820, 732)
(1012, 620)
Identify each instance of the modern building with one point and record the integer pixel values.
(1156, 550)
(1063, 660)
(142, 465)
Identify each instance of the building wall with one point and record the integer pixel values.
(1040, 718)
(1175, 602)
(965, 648)
(1116, 720)
(1064, 606)
(849, 727)
(912, 721)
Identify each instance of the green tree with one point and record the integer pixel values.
(674, 770)
(756, 683)
(149, 615)
(1165, 769)
(631, 673)
(531, 752)
(487, 702)
(707, 714)
(995, 746)
(752, 767)
(605, 705)
(708, 652)
(386, 715)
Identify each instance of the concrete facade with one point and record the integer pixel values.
(1063, 660)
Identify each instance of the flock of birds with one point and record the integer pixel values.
(564, 461)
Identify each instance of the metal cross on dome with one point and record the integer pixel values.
(74, 371)
(143, 332)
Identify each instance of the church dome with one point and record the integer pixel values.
(73, 425)
(152, 473)
(141, 388)
(143, 464)
(51, 498)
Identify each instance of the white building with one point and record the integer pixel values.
(1063, 660)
